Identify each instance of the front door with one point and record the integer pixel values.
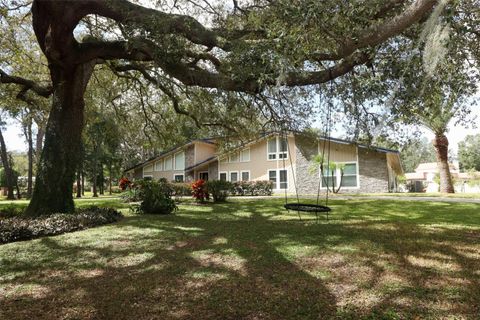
(203, 175)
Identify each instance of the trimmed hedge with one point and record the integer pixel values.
(252, 188)
(181, 189)
(24, 228)
(219, 189)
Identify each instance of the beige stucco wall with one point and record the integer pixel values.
(203, 151)
(339, 152)
(259, 163)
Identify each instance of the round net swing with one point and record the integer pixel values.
(315, 208)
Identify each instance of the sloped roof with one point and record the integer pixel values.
(177, 147)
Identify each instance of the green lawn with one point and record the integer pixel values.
(251, 260)
(421, 194)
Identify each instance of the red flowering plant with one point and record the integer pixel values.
(125, 184)
(199, 190)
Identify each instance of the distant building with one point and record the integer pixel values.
(423, 179)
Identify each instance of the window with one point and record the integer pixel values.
(282, 148)
(233, 176)
(272, 176)
(178, 177)
(277, 148)
(159, 165)
(168, 164)
(283, 183)
(234, 157)
(180, 161)
(333, 176)
(272, 149)
(245, 155)
(147, 178)
(350, 175)
(279, 178)
(222, 176)
(245, 175)
(329, 176)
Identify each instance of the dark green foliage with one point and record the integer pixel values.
(415, 152)
(156, 197)
(24, 228)
(10, 211)
(252, 188)
(131, 195)
(181, 189)
(219, 189)
(469, 153)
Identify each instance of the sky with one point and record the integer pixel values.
(16, 142)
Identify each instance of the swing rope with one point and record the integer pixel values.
(316, 208)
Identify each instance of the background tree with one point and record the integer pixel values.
(469, 153)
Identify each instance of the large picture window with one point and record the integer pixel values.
(245, 155)
(349, 175)
(168, 164)
(159, 165)
(279, 178)
(349, 179)
(180, 161)
(277, 148)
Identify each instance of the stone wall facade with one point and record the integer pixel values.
(306, 149)
(373, 170)
(189, 156)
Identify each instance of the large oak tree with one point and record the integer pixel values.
(246, 48)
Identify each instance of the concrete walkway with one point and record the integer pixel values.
(407, 198)
(292, 198)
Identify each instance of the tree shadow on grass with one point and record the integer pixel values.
(244, 261)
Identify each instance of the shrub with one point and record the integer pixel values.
(181, 189)
(156, 197)
(124, 183)
(131, 195)
(252, 188)
(199, 191)
(219, 189)
(25, 228)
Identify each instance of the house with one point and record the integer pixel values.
(285, 161)
(424, 178)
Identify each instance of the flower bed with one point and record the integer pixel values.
(24, 228)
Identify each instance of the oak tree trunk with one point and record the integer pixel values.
(39, 144)
(28, 135)
(440, 143)
(59, 159)
(79, 184)
(7, 168)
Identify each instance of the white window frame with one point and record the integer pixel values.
(148, 176)
(165, 161)
(240, 155)
(241, 175)
(277, 152)
(226, 175)
(337, 176)
(230, 157)
(272, 153)
(175, 160)
(161, 165)
(179, 174)
(276, 186)
(230, 176)
(148, 165)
